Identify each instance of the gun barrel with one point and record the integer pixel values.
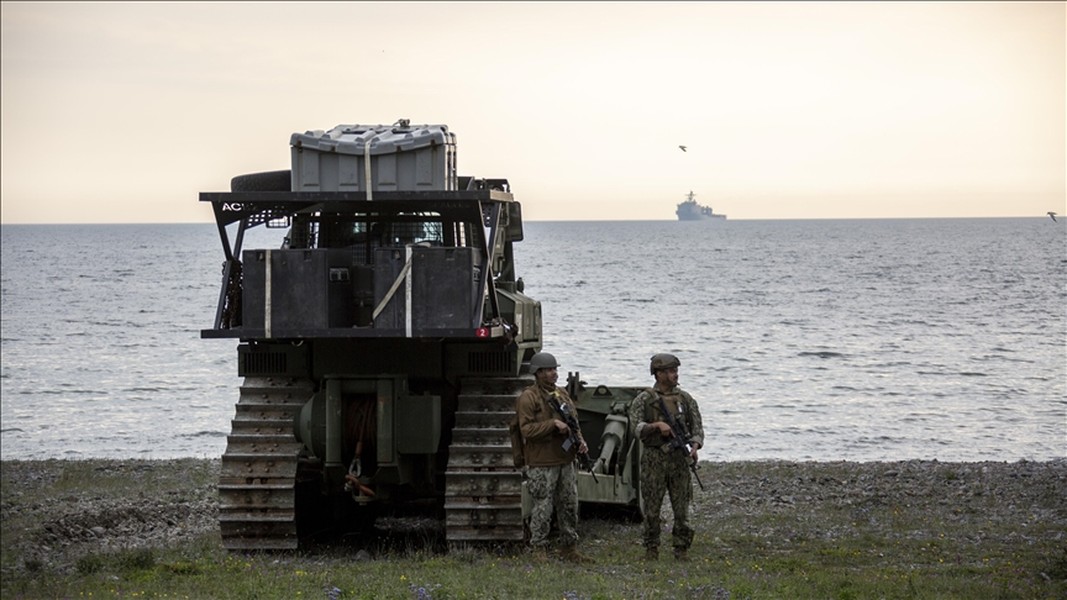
(693, 468)
(610, 440)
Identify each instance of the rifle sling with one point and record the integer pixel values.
(678, 428)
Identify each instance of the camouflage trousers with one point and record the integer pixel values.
(553, 488)
(663, 473)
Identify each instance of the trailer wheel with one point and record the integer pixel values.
(267, 181)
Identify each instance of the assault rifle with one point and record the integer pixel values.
(573, 440)
(680, 438)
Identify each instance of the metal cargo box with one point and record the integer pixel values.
(438, 292)
(289, 290)
(402, 157)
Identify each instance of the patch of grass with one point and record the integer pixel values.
(780, 530)
(89, 564)
(136, 559)
(824, 571)
(124, 562)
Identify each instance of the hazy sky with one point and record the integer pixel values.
(123, 112)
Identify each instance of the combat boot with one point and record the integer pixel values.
(651, 553)
(571, 554)
(538, 554)
(681, 554)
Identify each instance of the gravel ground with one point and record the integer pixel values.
(54, 512)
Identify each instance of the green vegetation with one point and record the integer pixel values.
(765, 530)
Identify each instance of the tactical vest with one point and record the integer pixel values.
(653, 413)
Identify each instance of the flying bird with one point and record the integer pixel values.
(682, 147)
(1052, 216)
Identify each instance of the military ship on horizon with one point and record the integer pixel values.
(689, 210)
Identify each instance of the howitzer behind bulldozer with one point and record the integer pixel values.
(383, 339)
(612, 475)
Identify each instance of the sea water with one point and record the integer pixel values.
(802, 340)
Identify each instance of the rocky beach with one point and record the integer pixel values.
(57, 514)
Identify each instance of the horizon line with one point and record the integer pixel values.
(1043, 216)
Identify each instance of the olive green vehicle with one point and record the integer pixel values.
(383, 339)
(614, 475)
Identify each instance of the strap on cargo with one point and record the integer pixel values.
(268, 310)
(367, 172)
(392, 289)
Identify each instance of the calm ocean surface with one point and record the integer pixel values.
(803, 340)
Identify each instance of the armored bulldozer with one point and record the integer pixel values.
(382, 343)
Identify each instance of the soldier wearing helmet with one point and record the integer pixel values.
(551, 477)
(665, 467)
(662, 362)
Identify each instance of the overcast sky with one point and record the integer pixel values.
(123, 112)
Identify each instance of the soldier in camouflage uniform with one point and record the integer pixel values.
(551, 477)
(664, 470)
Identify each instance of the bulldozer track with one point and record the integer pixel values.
(483, 488)
(257, 499)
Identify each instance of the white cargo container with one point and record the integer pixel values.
(402, 157)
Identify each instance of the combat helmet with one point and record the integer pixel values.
(542, 360)
(662, 361)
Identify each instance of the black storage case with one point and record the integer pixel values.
(443, 288)
(309, 289)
